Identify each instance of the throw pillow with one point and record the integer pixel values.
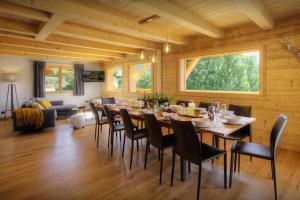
(37, 105)
(45, 104)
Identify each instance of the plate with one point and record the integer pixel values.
(202, 126)
(235, 123)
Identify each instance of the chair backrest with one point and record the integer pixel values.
(186, 103)
(108, 100)
(186, 141)
(154, 130)
(204, 105)
(127, 123)
(95, 111)
(109, 116)
(245, 111)
(277, 132)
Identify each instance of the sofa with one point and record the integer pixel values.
(57, 110)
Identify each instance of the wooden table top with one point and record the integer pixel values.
(220, 127)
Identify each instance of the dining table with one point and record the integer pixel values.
(219, 127)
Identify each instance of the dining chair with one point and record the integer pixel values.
(261, 151)
(241, 134)
(204, 105)
(113, 127)
(188, 146)
(108, 100)
(99, 121)
(185, 102)
(131, 132)
(156, 139)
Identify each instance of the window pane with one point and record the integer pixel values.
(52, 79)
(117, 77)
(141, 78)
(232, 72)
(67, 79)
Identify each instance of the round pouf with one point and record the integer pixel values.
(77, 121)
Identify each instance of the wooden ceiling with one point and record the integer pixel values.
(104, 30)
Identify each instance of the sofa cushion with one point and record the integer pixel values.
(64, 107)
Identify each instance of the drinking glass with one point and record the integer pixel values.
(211, 114)
(223, 106)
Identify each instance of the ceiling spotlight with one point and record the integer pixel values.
(148, 19)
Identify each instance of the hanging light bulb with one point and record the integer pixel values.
(153, 58)
(142, 55)
(167, 47)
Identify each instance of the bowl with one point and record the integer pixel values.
(233, 119)
(227, 113)
(201, 122)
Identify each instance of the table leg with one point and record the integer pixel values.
(182, 169)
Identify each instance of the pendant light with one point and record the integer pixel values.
(142, 56)
(167, 45)
(153, 57)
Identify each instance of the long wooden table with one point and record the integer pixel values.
(219, 128)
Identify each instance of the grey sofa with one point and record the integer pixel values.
(63, 111)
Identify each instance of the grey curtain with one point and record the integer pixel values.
(39, 68)
(78, 80)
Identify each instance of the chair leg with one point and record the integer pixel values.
(199, 182)
(225, 144)
(101, 127)
(108, 141)
(250, 140)
(213, 144)
(123, 145)
(274, 174)
(161, 165)
(137, 144)
(98, 128)
(231, 168)
(120, 136)
(173, 166)
(132, 144)
(225, 170)
(239, 162)
(112, 143)
(189, 167)
(147, 146)
(158, 154)
(235, 161)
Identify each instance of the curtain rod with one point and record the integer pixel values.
(58, 62)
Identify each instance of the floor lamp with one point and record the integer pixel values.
(11, 92)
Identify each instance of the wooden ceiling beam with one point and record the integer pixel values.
(22, 11)
(17, 27)
(59, 39)
(89, 33)
(44, 56)
(106, 18)
(15, 41)
(178, 15)
(256, 11)
(51, 53)
(47, 28)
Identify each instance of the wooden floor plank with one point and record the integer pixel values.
(60, 163)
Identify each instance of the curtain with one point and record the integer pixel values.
(78, 80)
(39, 68)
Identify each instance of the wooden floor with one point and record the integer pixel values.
(60, 163)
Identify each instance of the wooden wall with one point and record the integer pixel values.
(281, 77)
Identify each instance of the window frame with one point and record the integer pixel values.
(60, 67)
(111, 79)
(217, 52)
(152, 76)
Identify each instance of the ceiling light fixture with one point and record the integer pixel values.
(149, 19)
(142, 56)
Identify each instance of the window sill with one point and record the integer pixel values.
(221, 94)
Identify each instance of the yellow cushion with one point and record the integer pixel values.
(45, 103)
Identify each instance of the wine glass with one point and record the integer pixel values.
(217, 106)
(223, 106)
(211, 113)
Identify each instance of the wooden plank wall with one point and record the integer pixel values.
(282, 77)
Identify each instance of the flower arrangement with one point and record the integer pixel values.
(157, 99)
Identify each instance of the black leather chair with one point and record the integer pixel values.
(113, 127)
(188, 146)
(261, 151)
(108, 100)
(131, 131)
(186, 103)
(204, 105)
(156, 139)
(99, 121)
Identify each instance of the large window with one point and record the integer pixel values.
(59, 78)
(234, 72)
(140, 78)
(114, 78)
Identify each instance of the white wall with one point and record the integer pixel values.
(23, 66)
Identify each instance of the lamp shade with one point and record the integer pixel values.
(9, 77)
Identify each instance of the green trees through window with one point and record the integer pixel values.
(232, 72)
(59, 79)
